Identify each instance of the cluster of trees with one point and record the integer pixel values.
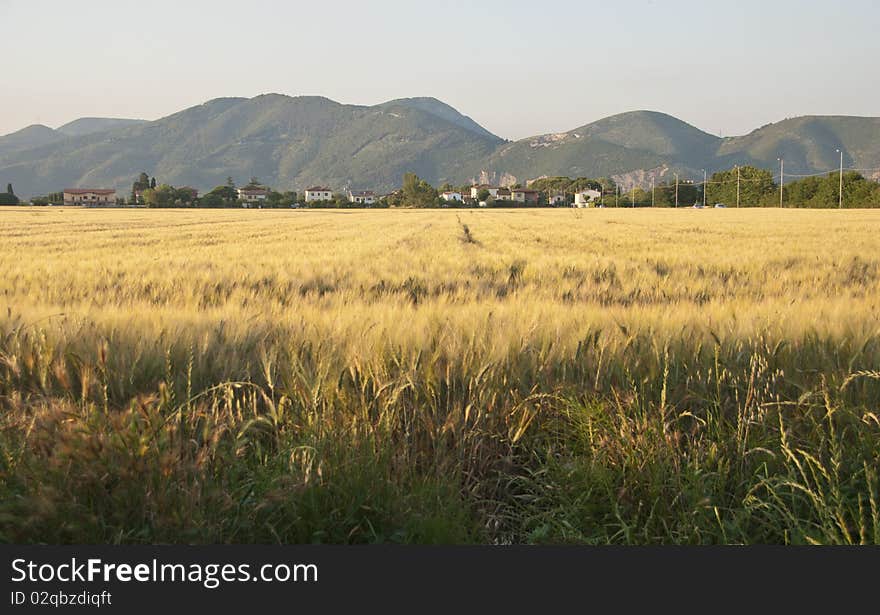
(8, 197)
(53, 198)
(758, 189)
(569, 186)
(816, 192)
(415, 192)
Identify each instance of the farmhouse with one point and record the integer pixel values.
(90, 197)
(318, 193)
(556, 199)
(364, 197)
(252, 196)
(525, 195)
(503, 194)
(451, 195)
(585, 198)
(492, 190)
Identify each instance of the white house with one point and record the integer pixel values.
(585, 198)
(502, 194)
(90, 197)
(252, 196)
(318, 193)
(364, 197)
(556, 199)
(492, 190)
(451, 195)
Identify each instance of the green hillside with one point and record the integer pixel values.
(89, 125)
(444, 111)
(31, 137)
(638, 140)
(808, 144)
(289, 143)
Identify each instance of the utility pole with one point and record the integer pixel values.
(634, 195)
(705, 185)
(781, 178)
(617, 197)
(652, 191)
(676, 189)
(737, 185)
(840, 201)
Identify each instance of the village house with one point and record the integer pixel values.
(475, 190)
(586, 198)
(90, 197)
(451, 195)
(503, 194)
(364, 197)
(318, 193)
(253, 196)
(525, 195)
(556, 199)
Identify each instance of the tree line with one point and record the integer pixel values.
(749, 186)
(745, 186)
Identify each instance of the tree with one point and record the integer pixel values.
(153, 182)
(8, 197)
(288, 199)
(221, 196)
(417, 192)
(688, 193)
(230, 183)
(816, 192)
(162, 196)
(273, 199)
(483, 195)
(140, 184)
(755, 185)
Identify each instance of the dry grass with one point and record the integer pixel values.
(609, 375)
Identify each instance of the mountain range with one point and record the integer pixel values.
(294, 142)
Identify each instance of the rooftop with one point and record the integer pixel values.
(89, 191)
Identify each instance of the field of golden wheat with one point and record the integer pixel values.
(594, 376)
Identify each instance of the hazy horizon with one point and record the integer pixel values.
(515, 68)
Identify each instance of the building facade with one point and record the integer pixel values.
(90, 197)
(318, 193)
(363, 197)
(586, 198)
(492, 190)
(525, 195)
(253, 197)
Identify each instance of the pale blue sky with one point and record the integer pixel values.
(517, 67)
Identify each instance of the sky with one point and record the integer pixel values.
(519, 68)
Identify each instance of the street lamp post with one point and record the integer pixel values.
(676, 189)
(840, 189)
(705, 185)
(737, 185)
